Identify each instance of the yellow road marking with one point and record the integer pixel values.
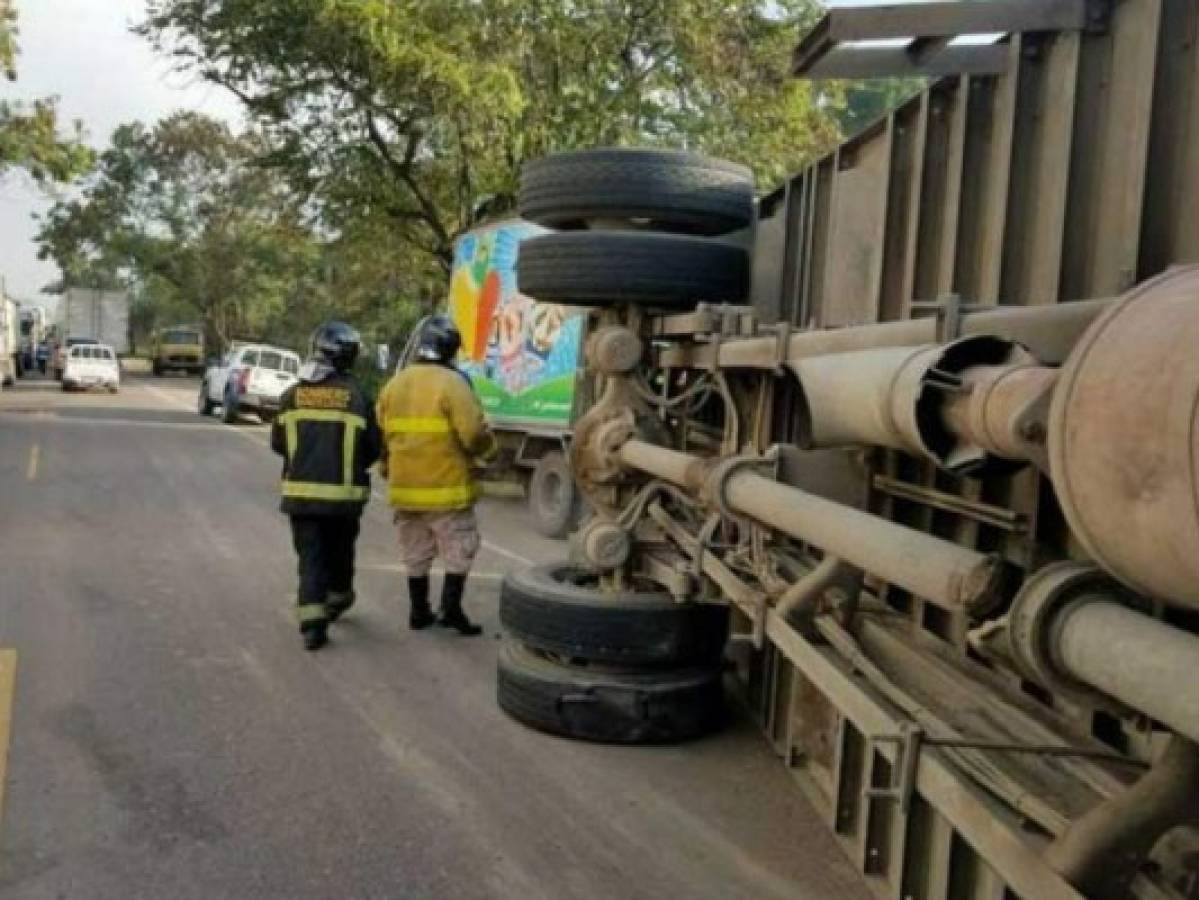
(35, 455)
(8, 676)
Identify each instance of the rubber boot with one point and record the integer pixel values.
(315, 636)
(420, 614)
(452, 615)
(314, 624)
(338, 604)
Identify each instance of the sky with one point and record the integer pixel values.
(82, 52)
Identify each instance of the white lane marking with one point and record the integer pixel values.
(493, 547)
(168, 398)
(35, 454)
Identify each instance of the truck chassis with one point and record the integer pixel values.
(943, 469)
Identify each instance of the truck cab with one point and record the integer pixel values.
(178, 348)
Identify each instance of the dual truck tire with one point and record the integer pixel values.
(640, 228)
(633, 667)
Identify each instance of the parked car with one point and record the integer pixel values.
(89, 366)
(250, 378)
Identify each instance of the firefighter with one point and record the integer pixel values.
(327, 434)
(434, 432)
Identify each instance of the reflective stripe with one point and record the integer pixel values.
(311, 612)
(348, 446)
(311, 490)
(293, 417)
(434, 497)
(323, 415)
(347, 491)
(293, 436)
(418, 425)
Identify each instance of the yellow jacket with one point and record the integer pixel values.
(433, 430)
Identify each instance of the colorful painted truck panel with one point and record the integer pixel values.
(521, 355)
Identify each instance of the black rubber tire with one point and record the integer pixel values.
(670, 190)
(554, 498)
(229, 409)
(605, 268)
(266, 416)
(609, 705)
(157, 369)
(204, 406)
(555, 608)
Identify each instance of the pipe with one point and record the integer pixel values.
(1049, 332)
(941, 572)
(849, 398)
(1004, 410)
(682, 469)
(960, 404)
(1102, 850)
(944, 573)
(1139, 660)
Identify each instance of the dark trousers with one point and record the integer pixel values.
(325, 547)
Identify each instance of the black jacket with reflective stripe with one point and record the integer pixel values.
(328, 437)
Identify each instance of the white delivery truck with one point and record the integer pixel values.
(10, 353)
(87, 315)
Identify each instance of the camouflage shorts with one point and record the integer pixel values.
(453, 535)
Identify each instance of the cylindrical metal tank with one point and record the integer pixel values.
(1124, 439)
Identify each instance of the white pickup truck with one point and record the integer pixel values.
(250, 378)
(91, 365)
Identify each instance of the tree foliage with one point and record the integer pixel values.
(183, 215)
(866, 101)
(423, 112)
(29, 131)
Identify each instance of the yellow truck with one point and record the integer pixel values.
(180, 347)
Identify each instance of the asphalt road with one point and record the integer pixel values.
(170, 739)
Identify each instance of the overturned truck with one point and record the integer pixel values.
(939, 479)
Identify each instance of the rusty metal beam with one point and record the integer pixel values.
(955, 578)
(939, 20)
(879, 62)
(970, 810)
(1049, 332)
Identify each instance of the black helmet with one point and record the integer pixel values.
(337, 344)
(439, 340)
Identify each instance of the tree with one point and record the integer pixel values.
(423, 112)
(182, 215)
(867, 101)
(29, 132)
